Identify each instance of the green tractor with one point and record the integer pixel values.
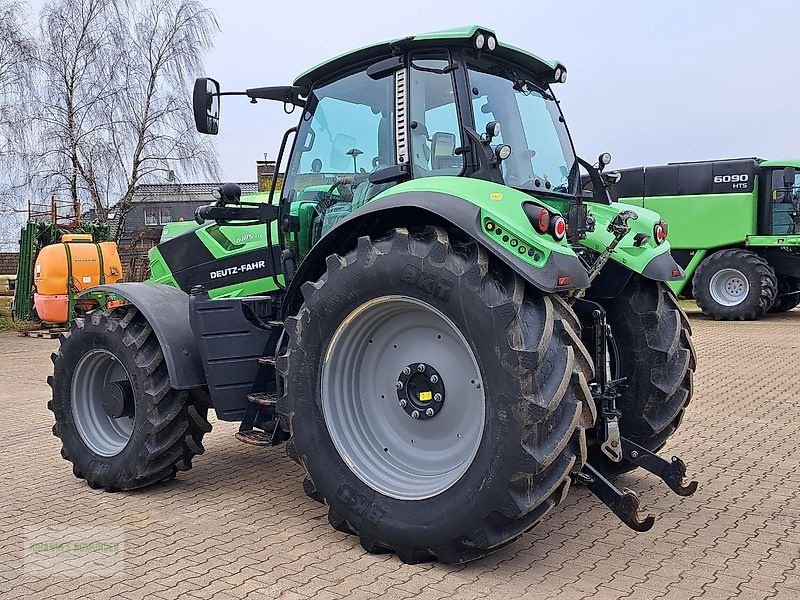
(439, 327)
(734, 228)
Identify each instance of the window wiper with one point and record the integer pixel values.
(524, 86)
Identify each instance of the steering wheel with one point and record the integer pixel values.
(328, 200)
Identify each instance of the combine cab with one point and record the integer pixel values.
(430, 317)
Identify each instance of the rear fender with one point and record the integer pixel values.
(167, 311)
(410, 207)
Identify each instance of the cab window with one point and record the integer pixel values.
(783, 204)
(347, 131)
(434, 129)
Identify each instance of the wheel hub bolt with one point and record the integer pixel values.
(421, 368)
(407, 371)
(634, 454)
(429, 412)
(437, 397)
(434, 379)
(399, 385)
(403, 403)
(415, 414)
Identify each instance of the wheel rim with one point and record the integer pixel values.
(372, 351)
(729, 287)
(102, 403)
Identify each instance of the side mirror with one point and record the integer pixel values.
(788, 177)
(205, 102)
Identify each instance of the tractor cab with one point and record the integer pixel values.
(449, 104)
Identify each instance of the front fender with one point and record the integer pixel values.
(651, 260)
(466, 204)
(166, 309)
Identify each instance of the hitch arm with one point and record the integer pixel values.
(623, 504)
(671, 472)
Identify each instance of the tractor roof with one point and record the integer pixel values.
(785, 162)
(462, 36)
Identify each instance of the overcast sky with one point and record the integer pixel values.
(650, 82)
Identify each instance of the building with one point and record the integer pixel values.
(154, 205)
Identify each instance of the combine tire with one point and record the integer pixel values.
(735, 284)
(654, 352)
(786, 300)
(437, 404)
(120, 423)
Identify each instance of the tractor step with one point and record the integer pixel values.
(263, 398)
(254, 437)
(275, 324)
(267, 360)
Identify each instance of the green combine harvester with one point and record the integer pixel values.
(734, 228)
(437, 324)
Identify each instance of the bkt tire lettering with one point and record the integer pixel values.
(427, 283)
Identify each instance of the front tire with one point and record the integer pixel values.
(120, 423)
(734, 285)
(654, 352)
(788, 298)
(514, 397)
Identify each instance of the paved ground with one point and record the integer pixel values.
(238, 524)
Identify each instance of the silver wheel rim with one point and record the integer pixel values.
(391, 452)
(729, 287)
(100, 378)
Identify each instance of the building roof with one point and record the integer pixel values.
(449, 37)
(154, 192)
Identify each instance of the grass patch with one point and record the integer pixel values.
(6, 324)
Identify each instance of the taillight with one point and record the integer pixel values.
(660, 231)
(558, 228)
(538, 216)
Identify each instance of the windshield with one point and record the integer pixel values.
(542, 158)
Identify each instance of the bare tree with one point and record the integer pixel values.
(77, 52)
(17, 53)
(114, 92)
(154, 136)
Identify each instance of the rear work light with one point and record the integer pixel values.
(660, 231)
(538, 216)
(558, 228)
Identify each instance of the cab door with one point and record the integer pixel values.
(778, 214)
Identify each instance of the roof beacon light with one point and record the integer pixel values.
(480, 40)
(491, 42)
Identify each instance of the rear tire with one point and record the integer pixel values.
(656, 355)
(786, 300)
(735, 284)
(531, 384)
(151, 432)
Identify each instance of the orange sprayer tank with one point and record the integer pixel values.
(75, 259)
